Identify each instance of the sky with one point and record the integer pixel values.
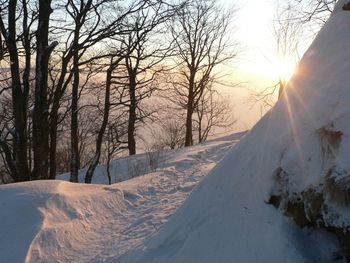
(256, 66)
(254, 20)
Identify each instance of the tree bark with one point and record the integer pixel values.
(19, 101)
(200, 137)
(75, 158)
(132, 114)
(40, 117)
(189, 113)
(109, 170)
(26, 82)
(53, 143)
(96, 159)
(59, 91)
(188, 138)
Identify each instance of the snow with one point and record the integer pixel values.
(56, 221)
(226, 219)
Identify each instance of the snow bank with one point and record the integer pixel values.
(301, 144)
(40, 220)
(56, 221)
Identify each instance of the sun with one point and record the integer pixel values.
(281, 69)
(272, 69)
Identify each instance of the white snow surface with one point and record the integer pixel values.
(225, 219)
(57, 221)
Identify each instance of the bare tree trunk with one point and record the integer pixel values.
(53, 143)
(132, 114)
(200, 110)
(282, 85)
(26, 81)
(188, 138)
(19, 102)
(96, 159)
(109, 156)
(189, 113)
(108, 169)
(40, 116)
(75, 158)
(59, 91)
(200, 136)
(29, 148)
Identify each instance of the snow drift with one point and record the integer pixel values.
(57, 221)
(296, 158)
(41, 221)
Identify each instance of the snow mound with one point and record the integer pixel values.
(298, 154)
(40, 219)
(57, 221)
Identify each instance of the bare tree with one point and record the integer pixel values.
(40, 113)
(51, 60)
(79, 13)
(288, 33)
(88, 29)
(143, 63)
(213, 113)
(89, 117)
(17, 22)
(315, 10)
(6, 164)
(136, 74)
(200, 34)
(169, 132)
(115, 141)
(107, 104)
(173, 134)
(16, 157)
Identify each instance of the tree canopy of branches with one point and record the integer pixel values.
(132, 73)
(143, 63)
(315, 10)
(77, 77)
(50, 53)
(200, 35)
(212, 112)
(288, 33)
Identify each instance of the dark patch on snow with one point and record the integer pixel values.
(330, 141)
(346, 7)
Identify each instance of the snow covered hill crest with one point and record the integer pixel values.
(296, 159)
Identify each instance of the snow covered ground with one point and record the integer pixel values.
(299, 152)
(56, 221)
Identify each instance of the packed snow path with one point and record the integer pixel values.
(56, 221)
(152, 198)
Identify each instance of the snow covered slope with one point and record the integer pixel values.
(56, 221)
(302, 146)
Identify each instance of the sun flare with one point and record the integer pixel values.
(274, 69)
(283, 69)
